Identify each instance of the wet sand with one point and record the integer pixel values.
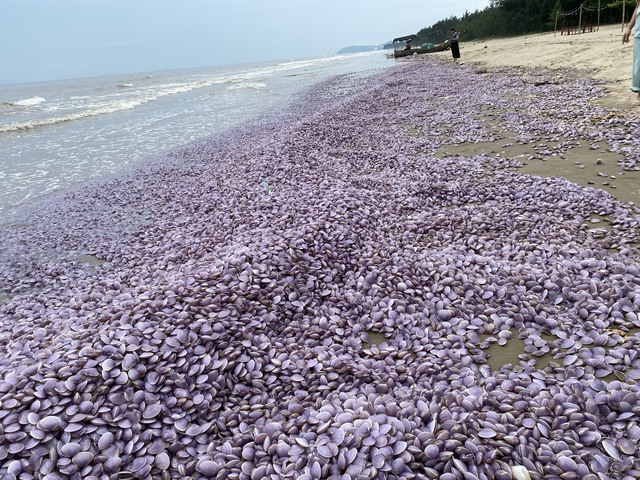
(581, 164)
(599, 55)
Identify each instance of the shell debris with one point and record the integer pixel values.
(337, 326)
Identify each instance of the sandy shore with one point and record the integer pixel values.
(599, 54)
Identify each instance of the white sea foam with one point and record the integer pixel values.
(100, 110)
(247, 86)
(26, 102)
(106, 104)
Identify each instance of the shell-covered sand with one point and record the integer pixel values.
(599, 54)
(325, 294)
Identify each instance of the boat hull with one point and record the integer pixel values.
(405, 53)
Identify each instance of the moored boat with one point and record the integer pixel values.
(436, 48)
(402, 47)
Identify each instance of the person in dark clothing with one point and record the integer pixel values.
(453, 41)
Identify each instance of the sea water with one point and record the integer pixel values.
(61, 134)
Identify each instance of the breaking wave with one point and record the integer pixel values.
(26, 102)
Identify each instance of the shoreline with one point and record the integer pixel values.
(341, 320)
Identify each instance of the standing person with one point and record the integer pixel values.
(635, 73)
(455, 47)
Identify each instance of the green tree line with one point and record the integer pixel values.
(504, 18)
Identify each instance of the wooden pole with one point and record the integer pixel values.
(556, 27)
(580, 20)
(624, 4)
(598, 15)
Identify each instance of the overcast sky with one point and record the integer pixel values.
(55, 39)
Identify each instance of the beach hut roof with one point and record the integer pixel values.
(408, 38)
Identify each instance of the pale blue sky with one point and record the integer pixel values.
(55, 39)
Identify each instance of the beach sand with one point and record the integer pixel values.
(600, 55)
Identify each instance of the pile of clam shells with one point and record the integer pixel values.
(312, 296)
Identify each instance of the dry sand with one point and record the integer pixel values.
(598, 54)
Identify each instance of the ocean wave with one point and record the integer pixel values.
(91, 112)
(285, 66)
(108, 105)
(130, 97)
(249, 85)
(26, 102)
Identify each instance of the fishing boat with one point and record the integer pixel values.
(403, 47)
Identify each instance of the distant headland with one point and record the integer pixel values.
(359, 48)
